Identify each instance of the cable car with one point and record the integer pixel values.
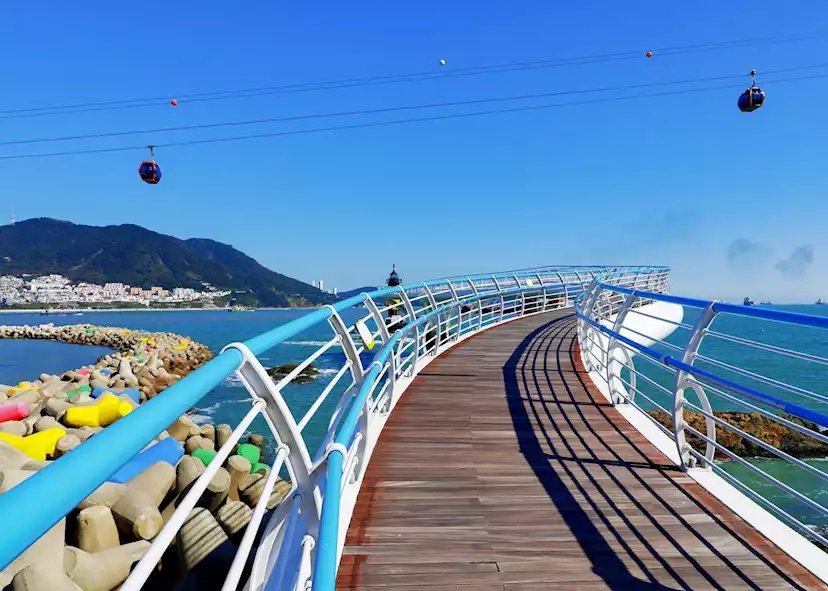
(149, 170)
(753, 98)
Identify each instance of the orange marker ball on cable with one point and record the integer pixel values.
(173, 102)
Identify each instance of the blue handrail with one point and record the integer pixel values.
(706, 376)
(98, 458)
(735, 309)
(326, 564)
(78, 474)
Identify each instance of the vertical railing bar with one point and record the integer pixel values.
(377, 315)
(611, 344)
(246, 544)
(684, 381)
(148, 562)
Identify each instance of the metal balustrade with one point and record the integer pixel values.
(300, 543)
(694, 370)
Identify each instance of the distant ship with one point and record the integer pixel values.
(748, 302)
(819, 303)
(766, 303)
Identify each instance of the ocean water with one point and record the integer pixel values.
(810, 377)
(229, 402)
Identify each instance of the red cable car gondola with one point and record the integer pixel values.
(149, 170)
(753, 98)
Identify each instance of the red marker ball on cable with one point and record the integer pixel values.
(649, 54)
(173, 102)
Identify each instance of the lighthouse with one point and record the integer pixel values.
(393, 279)
(393, 319)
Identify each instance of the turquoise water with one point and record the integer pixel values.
(806, 375)
(229, 402)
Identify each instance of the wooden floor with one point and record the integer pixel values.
(500, 470)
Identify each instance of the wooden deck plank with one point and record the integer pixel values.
(502, 469)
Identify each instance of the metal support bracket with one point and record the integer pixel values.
(684, 381)
(371, 305)
(347, 344)
(612, 344)
(277, 413)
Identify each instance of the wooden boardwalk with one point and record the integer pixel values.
(501, 470)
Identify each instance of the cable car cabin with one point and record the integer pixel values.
(751, 99)
(150, 172)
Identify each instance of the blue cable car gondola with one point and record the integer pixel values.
(753, 98)
(149, 170)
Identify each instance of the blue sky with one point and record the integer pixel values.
(688, 181)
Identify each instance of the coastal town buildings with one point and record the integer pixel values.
(320, 285)
(56, 289)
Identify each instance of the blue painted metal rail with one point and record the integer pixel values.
(705, 371)
(625, 315)
(412, 323)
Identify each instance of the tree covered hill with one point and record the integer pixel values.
(131, 254)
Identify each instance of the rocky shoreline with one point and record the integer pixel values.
(148, 361)
(98, 543)
(766, 430)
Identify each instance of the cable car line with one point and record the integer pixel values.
(399, 108)
(396, 78)
(395, 122)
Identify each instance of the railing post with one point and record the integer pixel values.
(565, 289)
(502, 303)
(683, 381)
(459, 309)
(479, 303)
(281, 422)
(582, 324)
(453, 291)
(430, 297)
(412, 316)
(393, 360)
(522, 297)
(371, 305)
(416, 349)
(589, 302)
(437, 338)
(612, 343)
(543, 292)
(348, 346)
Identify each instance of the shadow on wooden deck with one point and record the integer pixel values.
(502, 468)
(522, 374)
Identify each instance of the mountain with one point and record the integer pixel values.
(352, 292)
(143, 258)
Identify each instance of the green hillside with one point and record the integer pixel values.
(143, 258)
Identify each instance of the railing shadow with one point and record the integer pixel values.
(564, 446)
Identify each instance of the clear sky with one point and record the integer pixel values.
(735, 203)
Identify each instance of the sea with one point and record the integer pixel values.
(229, 402)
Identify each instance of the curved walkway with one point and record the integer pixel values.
(500, 469)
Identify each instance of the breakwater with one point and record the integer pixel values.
(147, 361)
(98, 543)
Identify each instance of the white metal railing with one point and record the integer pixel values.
(302, 537)
(697, 374)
